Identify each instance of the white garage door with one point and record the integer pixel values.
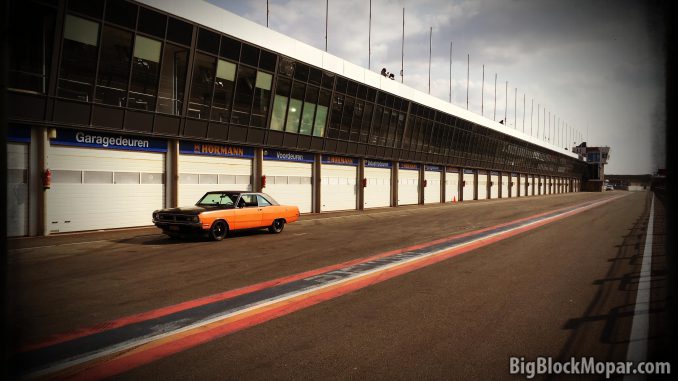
(433, 186)
(289, 182)
(408, 184)
(542, 185)
(103, 188)
(522, 189)
(338, 190)
(210, 167)
(482, 185)
(494, 185)
(17, 189)
(468, 185)
(377, 193)
(511, 182)
(452, 185)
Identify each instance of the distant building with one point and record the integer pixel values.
(595, 158)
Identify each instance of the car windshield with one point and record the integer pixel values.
(219, 198)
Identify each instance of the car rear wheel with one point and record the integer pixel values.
(277, 226)
(218, 230)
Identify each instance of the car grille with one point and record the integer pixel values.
(168, 217)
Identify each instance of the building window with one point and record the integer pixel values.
(223, 91)
(201, 89)
(282, 93)
(294, 108)
(144, 85)
(244, 92)
(321, 113)
(262, 96)
(30, 50)
(172, 80)
(79, 58)
(116, 49)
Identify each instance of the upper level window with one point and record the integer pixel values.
(201, 90)
(114, 66)
(144, 85)
(262, 97)
(223, 91)
(30, 50)
(172, 79)
(244, 93)
(78, 58)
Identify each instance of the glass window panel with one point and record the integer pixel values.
(286, 67)
(267, 60)
(126, 177)
(328, 80)
(346, 118)
(66, 177)
(201, 89)
(172, 80)
(121, 13)
(152, 178)
(147, 49)
(223, 91)
(230, 48)
(97, 177)
(320, 121)
(293, 116)
(335, 117)
(92, 8)
(208, 41)
(301, 72)
(315, 76)
(144, 85)
(152, 22)
(262, 97)
(263, 201)
(209, 179)
(30, 56)
(188, 178)
(80, 30)
(307, 118)
(114, 65)
(244, 93)
(279, 109)
(264, 80)
(249, 55)
(179, 31)
(366, 123)
(226, 70)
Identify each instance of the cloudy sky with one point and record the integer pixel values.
(597, 66)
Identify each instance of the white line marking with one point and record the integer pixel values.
(637, 350)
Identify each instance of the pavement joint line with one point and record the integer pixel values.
(637, 349)
(403, 258)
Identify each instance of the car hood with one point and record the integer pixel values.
(192, 210)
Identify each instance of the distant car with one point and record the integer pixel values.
(219, 212)
(609, 187)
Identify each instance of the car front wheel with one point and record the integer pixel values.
(277, 226)
(218, 230)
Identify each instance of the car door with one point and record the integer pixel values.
(248, 213)
(269, 212)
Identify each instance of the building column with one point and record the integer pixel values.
(43, 162)
(394, 183)
(317, 179)
(258, 170)
(443, 184)
(172, 174)
(361, 188)
(422, 183)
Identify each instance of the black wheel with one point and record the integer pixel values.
(218, 230)
(277, 226)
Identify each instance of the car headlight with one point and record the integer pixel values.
(196, 219)
(155, 215)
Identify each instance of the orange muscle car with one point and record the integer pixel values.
(218, 212)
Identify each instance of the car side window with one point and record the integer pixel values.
(263, 201)
(248, 200)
